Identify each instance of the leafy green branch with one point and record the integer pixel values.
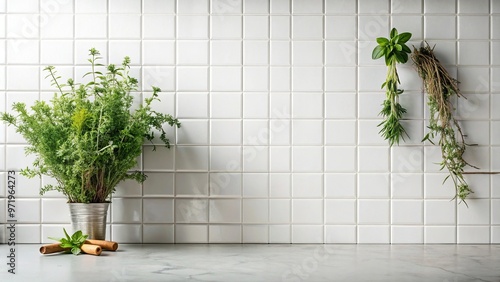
(394, 50)
(73, 242)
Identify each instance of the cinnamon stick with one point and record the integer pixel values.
(105, 245)
(91, 249)
(52, 248)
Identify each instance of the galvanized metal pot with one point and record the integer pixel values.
(90, 219)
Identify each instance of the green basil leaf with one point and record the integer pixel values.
(404, 37)
(398, 47)
(75, 250)
(378, 52)
(405, 48)
(394, 32)
(382, 41)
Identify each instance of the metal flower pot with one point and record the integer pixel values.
(90, 219)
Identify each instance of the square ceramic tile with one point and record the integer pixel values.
(280, 27)
(158, 233)
(126, 210)
(56, 52)
(473, 235)
(193, 132)
(192, 27)
(256, 27)
(255, 158)
(340, 132)
(448, 24)
(158, 27)
(373, 211)
(407, 185)
(280, 78)
(124, 26)
(411, 24)
(255, 52)
(340, 234)
(312, 234)
(255, 184)
(191, 210)
(440, 212)
(440, 7)
(225, 184)
(256, 7)
(477, 212)
(307, 6)
(280, 53)
(162, 77)
(478, 7)
(192, 78)
(440, 234)
(373, 234)
(192, 52)
(52, 211)
(28, 210)
(158, 184)
(193, 7)
(373, 185)
(279, 185)
(225, 210)
(226, 27)
(158, 211)
(280, 157)
(192, 105)
(307, 79)
(373, 159)
(225, 7)
(406, 6)
(255, 234)
(224, 233)
(255, 210)
(280, 132)
(25, 6)
(307, 53)
(255, 105)
(160, 160)
(340, 106)
(340, 185)
(185, 233)
(280, 6)
(226, 52)
(191, 158)
(340, 27)
(226, 78)
(466, 49)
(91, 6)
(340, 211)
(340, 159)
(13, 74)
(279, 234)
(407, 159)
(407, 212)
(307, 211)
(308, 105)
(306, 185)
(372, 26)
(340, 79)
(226, 158)
(191, 184)
(307, 27)
(407, 235)
(225, 105)
(255, 78)
(307, 159)
(28, 233)
(225, 132)
(341, 53)
(59, 26)
(279, 211)
(307, 132)
(127, 6)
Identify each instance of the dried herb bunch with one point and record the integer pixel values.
(440, 88)
(394, 50)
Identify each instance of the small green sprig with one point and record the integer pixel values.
(394, 50)
(74, 243)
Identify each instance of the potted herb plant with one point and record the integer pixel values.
(88, 138)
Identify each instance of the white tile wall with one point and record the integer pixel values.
(279, 101)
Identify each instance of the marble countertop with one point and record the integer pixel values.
(253, 262)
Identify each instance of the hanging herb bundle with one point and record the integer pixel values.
(440, 88)
(395, 51)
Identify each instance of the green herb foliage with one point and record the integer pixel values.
(89, 137)
(394, 50)
(440, 88)
(73, 243)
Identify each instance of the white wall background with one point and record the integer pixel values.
(279, 103)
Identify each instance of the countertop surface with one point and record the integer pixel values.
(253, 262)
